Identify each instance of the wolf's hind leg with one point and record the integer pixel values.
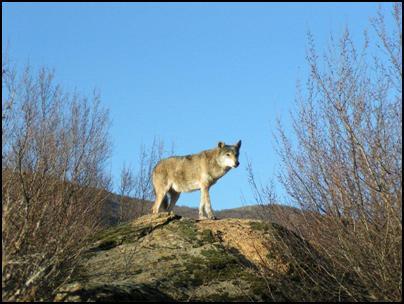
(160, 198)
(160, 190)
(174, 196)
(165, 203)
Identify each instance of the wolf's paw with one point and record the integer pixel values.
(212, 217)
(202, 217)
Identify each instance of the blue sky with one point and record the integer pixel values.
(191, 74)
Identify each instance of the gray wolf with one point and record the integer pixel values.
(177, 174)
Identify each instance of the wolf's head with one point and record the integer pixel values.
(228, 154)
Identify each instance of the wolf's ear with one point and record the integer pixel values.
(220, 144)
(238, 145)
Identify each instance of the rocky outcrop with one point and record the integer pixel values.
(166, 257)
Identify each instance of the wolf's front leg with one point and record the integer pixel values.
(206, 204)
(202, 206)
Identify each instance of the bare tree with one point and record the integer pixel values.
(126, 187)
(136, 188)
(55, 146)
(148, 158)
(344, 166)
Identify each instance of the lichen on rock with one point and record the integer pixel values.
(166, 257)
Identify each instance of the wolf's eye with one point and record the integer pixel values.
(228, 154)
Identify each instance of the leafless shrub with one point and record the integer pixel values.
(139, 185)
(126, 186)
(270, 208)
(344, 168)
(54, 148)
(148, 158)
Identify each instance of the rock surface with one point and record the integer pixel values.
(166, 257)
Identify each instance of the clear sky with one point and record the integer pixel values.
(191, 74)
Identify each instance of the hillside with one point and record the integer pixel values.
(112, 206)
(166, 257)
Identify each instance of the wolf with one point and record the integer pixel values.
(177, 174)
